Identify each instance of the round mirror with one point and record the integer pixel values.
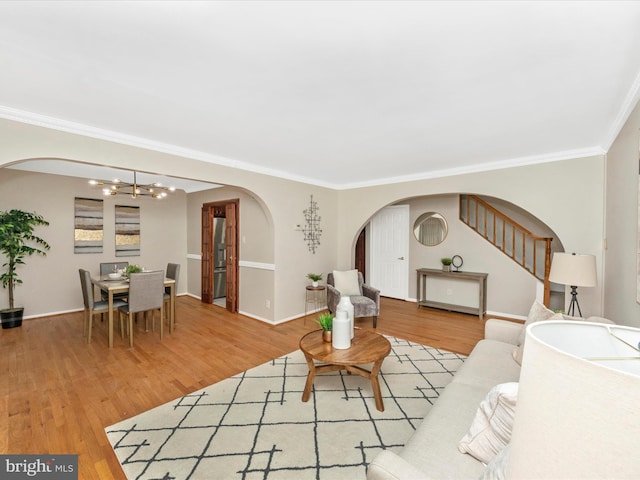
(430, 229)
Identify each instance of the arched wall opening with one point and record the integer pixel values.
(511, 289)
(169, 233)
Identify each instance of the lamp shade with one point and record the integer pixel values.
(574, 270)
(578, 411)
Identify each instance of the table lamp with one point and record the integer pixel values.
(578, 411)
(573, 270)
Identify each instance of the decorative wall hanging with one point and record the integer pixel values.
(127, 231)
(311, 230)
(88, 230)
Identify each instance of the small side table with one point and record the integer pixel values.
(316, 297)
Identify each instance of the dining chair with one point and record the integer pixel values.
(91, 306)
(146, 294)
(173, 272)
(111, 267)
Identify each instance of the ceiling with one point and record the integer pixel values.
(335, 93)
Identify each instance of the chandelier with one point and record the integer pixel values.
(134, 190)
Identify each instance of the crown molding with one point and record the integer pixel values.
(482, 167)
(133, 141)
(629, 103)
(53, 123)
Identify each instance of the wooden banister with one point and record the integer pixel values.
(487, 222)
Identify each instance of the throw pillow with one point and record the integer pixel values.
(517, 352)
(537, 312)
(490, 430)
(347, 282)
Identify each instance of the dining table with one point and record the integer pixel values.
(121, 285)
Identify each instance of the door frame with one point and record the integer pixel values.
(229, 209)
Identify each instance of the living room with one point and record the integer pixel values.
(587, 196)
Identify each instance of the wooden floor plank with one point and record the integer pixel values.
(58, 393)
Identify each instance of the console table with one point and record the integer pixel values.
(481, 278)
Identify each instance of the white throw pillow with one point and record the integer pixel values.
(347, 282)
(519, 350)
(490, 430)
(537, 312)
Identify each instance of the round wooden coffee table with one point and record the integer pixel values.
(366, 347)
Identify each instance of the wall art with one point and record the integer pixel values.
(127, 231)
(88, 232)
(311, 230)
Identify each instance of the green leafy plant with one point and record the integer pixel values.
(17, 241)
(132, 269)
(325, 320)
(446, 261)
(314, 277)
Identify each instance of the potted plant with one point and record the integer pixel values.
(17, 241)
(446, 264)
(132, 269)
(325, 320)
(315, 278)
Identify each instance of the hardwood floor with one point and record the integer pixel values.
(59, 393)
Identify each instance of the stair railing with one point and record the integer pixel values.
(530, 251)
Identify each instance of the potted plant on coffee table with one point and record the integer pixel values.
(17, 241)
(325, 320)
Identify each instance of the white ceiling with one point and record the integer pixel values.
(335, 93)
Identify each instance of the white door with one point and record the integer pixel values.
(389, 245)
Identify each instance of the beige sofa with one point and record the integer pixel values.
(432, 451)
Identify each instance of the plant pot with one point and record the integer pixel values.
(326, 336)
(446, 268)
(314, 284)
(12, 317)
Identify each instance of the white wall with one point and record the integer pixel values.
(505, 275)
(568, 196)
(622, 225)
(255, 249)
(549, 191)
(285, 199)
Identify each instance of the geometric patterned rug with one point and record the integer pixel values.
(255, 426)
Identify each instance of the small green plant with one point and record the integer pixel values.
(132, 269)
(314, 277)
(446, 261)
(325, 320)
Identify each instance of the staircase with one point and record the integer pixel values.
(531, 252)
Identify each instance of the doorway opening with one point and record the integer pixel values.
(220, 253)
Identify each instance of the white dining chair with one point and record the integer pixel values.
(146, 294)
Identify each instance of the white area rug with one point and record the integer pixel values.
(255, 426)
